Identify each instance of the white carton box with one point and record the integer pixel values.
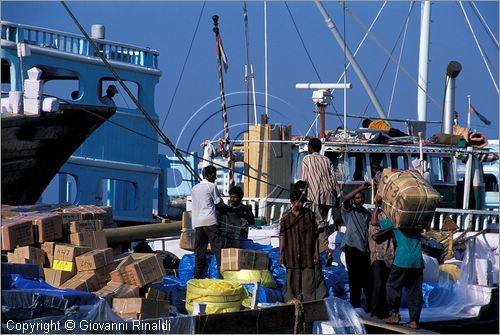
(33, 89)
(32, 106)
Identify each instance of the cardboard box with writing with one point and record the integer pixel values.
(35, 254)
(117, 290)
(144, 271)
(83, 281)
(68, 252)
(47, 227)
(85, 225)
(93, 239)
(48, 247)
(57, 277)
(243, 259)
(16, 231)
(94, 259)
(140, 308)
(15, 259)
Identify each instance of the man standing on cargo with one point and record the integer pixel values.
(406, 271)
(355, 245)
(321, 187)
(299, 249)
(205, 200)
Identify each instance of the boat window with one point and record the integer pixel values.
(491, 183)
(338, 163)
(5, 75)
(377, 160)
(399, 161)
(62, 88)
(122, 99)
(357, 168)
(441, 169)
(298, 170)
(119, 194)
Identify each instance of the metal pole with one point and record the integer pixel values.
(468, 111)
(265, 58)
(351, 59)
(423, 61)
(321, 121)
(467, 182)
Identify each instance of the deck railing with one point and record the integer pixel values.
(78, 45)
(473, 220)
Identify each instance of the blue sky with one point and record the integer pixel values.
(169, 27)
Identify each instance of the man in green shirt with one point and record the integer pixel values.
(406, 271)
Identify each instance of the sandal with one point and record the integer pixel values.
(412, 325)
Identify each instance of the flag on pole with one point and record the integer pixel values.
(480, 116)
(220, 52)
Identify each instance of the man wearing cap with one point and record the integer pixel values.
(108, 98)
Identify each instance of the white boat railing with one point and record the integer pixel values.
(272, 209)
(78, 45)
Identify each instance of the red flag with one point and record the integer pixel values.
(220, 52)
(480, 116)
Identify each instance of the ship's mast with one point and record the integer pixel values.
(423, 60)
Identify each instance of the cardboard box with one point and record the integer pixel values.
(78, 213)
(83, 281)
(34, 254)
(154, 294)
(143, 271)
(47, 227)
(49, 261)
(407, 199)
(68, 216)
(94, 259)
(140, 308)
(243, 259)
(48, 247)
(57, 277)
(16, 231)
(117, 290)
(103, 273)
(68, 252)
(85, 225)
(93, 239)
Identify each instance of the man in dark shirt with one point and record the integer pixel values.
(355, 245)
(235, 219)
(299, 249)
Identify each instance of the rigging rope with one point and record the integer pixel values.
(399, 59)
(483, 22)
(184, 65)
(166, 140)
(486, 60)
(380, 45)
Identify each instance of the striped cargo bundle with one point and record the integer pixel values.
(407, 199)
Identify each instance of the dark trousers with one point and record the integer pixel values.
(358, 269)
(380, 272)
(321, 291)
(300, 281)
(411, 279)
(203, 236)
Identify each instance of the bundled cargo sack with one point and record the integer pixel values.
(407, 199)
(220, 296)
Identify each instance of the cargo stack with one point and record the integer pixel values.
(246, 266)
(407, 199)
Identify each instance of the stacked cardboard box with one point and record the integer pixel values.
(27, 255)
(99, 261)
(65, 255)
(47, 227)
(16, 231)
(243, 259)
(139, 270)
(140, 308)
(117, 290)
(84, 281)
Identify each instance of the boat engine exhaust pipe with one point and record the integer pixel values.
(452, 72)
(98, 31)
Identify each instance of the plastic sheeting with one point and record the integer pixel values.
(343, 318)
(448, 300)
(186, 268)
(278, 271)
(175, 292)
(265, 295)
(337, 281)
